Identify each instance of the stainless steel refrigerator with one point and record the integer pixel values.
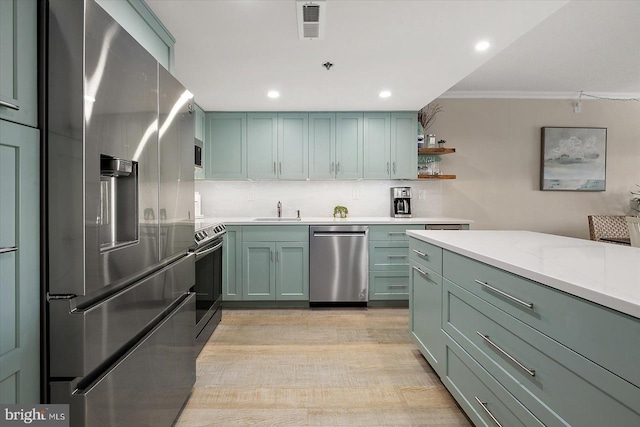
(120, 317)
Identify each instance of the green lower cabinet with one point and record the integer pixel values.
(275, 271)
(388, 285)
(259, 273)
(292, 271)
(425, 312)
(232, 264)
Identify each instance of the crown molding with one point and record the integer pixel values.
(538, 95)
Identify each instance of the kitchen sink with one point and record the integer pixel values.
(277, 219)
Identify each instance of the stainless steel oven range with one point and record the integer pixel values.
(208, 287)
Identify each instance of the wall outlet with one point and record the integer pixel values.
(251, 195)
(422, 195)
(356, 194)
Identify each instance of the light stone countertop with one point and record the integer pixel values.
(604, 273)
(331, 221)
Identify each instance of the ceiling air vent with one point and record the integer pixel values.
(311, 17)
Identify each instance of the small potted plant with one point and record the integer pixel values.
(342, 211)
(441, 143)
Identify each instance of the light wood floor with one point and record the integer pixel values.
(316, 367)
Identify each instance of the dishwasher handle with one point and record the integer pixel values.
(339, 234)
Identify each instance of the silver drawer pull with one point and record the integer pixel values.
(9, 105)
(484, 406)
(396, 256)
(494, 345)
(397, 233)
(398, 286)
(7, 250)
(504, 294)
(422, 254)
(420, 271)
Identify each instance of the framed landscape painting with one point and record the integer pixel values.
(573, 159)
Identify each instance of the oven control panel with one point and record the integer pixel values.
(209, 232)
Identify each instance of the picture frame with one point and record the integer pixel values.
(573, 159)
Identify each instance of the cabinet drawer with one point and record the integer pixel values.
(275, 233)
(483, 399)
(391, 232)
(581, 325)
(388, 286)
(388, 256)
(535, 368)
(426, 254)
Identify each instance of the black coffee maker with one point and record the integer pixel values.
(401, 202)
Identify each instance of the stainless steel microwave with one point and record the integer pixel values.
(198, 151)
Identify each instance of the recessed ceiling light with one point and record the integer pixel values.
(482, 46)
(273, 94)
(385, 94)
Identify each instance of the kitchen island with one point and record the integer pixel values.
(527, 328)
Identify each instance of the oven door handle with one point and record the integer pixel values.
(208, 251)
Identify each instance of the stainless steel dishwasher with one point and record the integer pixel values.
(339, 264)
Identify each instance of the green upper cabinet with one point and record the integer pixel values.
(390, 145)
(293, 145)
(262, 144)
(404, 140)
(322, 145)
(225, 146)
(200, 135)
(377, 142)
(18, 61)
(138, 19)
(349, 145)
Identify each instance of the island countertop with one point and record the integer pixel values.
(602, 273)
(336, 221)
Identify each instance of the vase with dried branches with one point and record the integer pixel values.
(427, 115)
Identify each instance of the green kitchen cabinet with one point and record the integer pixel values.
(278, 145)
(293, 146)
(275, 263)
(322, 145)
(425, 314)
(18, 62)
(19, 254)
(200, 121)
(390, 145)
(225, 146)
(262, 145)
(232, 264)
(404, 137)
(349, 160)
(377, 145)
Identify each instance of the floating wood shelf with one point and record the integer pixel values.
(436, 151)
(436, 177)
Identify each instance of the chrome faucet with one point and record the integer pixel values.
(279, 209)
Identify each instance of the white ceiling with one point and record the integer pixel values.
(229, 53)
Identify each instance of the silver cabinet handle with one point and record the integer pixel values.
(422, 254)
(510, 357)
(396, 256)
(394, 167)
(338, 167)
(277, 256)
(7, 250)
(420, 271)
(504, 294)
(387, 167)
(396, 233)
(484, 406)
(332, 167)
(274, 168)
(398, 286)
(9, 105)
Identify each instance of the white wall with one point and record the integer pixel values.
(498, 162)
(315, 198)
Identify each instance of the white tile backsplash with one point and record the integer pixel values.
(314, 198)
